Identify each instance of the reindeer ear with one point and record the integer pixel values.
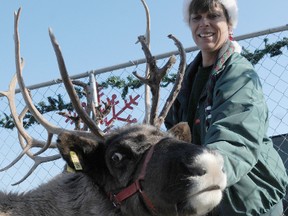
(76, 150)
(181, 131)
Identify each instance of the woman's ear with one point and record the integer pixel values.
(230, 31)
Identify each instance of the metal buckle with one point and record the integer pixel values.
(115, 203)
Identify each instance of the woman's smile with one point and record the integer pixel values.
(206, 34)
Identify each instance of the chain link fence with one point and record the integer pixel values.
(272, 69)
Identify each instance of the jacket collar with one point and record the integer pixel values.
(224, 53)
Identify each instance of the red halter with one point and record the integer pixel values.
(136, 187)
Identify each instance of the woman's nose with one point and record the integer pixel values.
(204, 21)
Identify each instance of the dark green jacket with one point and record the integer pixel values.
(236, 125)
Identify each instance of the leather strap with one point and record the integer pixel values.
(136, 187)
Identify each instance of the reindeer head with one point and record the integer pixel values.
(146, 171)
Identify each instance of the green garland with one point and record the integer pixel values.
(132, 82)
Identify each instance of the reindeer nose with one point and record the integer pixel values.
(194, 169)
(197, 171)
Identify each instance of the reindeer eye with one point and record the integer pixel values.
(117, 157)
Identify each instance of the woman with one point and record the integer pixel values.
(222, 100)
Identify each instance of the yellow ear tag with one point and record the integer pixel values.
(75, 160)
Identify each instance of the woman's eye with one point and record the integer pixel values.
(117, 157)
(214, 15)
(195, 18)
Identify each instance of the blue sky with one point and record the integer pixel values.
(96, 34)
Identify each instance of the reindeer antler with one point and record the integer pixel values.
(156, 76)
(70, 89)
(23, 135)
(26, 141)
(177, 85)
(147, 70)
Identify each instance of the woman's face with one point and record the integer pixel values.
(210, 30)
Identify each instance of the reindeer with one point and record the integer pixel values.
(134, 170)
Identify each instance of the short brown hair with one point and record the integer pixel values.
(202, 6)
